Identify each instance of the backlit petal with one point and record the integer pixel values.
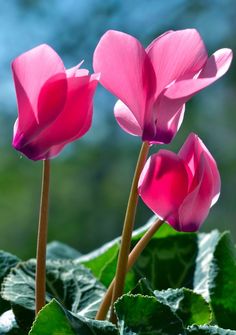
(176, 54)
(216, 66)
(126, 119)
(40, 81)
(196, 205)
(163, 184)
(126, 71)
(72, 123)
(191, 153)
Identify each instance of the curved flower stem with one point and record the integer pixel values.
(133, 256)
(40, 289)
(128, 228)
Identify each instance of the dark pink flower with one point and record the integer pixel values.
(153, 85)
(181, 188)
(55, 105)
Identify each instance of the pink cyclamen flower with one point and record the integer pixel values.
(181, 188)
(153, 84)
(55, 105)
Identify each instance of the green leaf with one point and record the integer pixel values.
(188, 305)
(7, 261)
(102, 262)
(57, 250)
(67, 281)
(8, 324)
(139, 314)
(223, 282)
(164, 231)
(53, 319)
(209, 330)
(215, 276)
(168, 261)
(143, 287)
(171, 252)
(206, 247)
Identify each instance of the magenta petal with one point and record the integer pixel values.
(176, 54)
(126, 71)
(163, 184)
(35, 152)
(55, 150)
(196, 205)
(52, 152)
(191, 153)
(76, 117)
(126, 119)
(31, 71)
(51, 99)
(72, 123)
(26, 125)
(216, 66)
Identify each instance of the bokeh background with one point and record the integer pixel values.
(91, 179)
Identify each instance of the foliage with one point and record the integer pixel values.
(189, 288)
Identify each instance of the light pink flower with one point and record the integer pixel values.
(181, 188)
(153, 85)
(55, 105)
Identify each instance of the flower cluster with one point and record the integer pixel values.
(153, 85)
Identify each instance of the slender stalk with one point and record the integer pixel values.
(127, 229)
(40, 289)
(133, 256)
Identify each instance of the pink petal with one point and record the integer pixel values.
(191, 153)
(216, 66)
(72, 71)
(163, 184)
(176, 54)
(126, 119)
(72, 123)
(40, 81)
(126, 71)
(51, 153)
(26, 124)
(196, 205)
(168, 117)
(55, 150)
(51, 99)
(76, 117)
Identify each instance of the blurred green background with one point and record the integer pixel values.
(91, 178)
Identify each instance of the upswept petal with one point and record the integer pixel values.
(176, 54)
(195, 207)
(126, 119)
(168, 117)
(126, 71)
(31, 71)
(163, 183)
(71, 72)
(72, 123)
(216, 66)
(191, 153)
